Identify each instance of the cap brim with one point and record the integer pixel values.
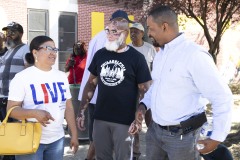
(4, 28)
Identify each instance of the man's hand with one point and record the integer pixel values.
(209, 145)
(81, 121)
(136, 125)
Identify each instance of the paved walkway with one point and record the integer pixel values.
(83, 147)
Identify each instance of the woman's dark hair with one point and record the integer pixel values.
(35, 44)
(82, 51)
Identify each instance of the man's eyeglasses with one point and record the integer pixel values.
(49, 49)
(10, 33)
(113, 32)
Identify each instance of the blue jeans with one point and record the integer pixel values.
(52, 151)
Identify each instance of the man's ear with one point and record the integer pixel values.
(165, 26)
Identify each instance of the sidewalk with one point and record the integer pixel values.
(83, 147)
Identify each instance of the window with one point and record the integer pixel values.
(67, 36)
(37, 23)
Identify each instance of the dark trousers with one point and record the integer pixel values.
(221, 153)
(3, 108)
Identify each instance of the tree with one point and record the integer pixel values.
(214, 16)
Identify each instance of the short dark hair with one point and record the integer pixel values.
(35, 44)
(162, 14)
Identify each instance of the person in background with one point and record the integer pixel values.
(122, 76)
(11, 62)
(136, 35)
(183, 73)
(3, 49)
(95, 44)
(44, 97)
(76, 63)
(148, 50)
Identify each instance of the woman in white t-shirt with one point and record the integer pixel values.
(43, 95)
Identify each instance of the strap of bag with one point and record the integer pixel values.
(8, 113)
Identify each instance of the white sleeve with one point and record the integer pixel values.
(16, 89)
(68, 93)
(208, 80)
(147, 98)
(153, 53)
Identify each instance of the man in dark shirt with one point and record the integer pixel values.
(122, 76)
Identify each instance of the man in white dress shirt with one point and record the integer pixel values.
(183, 72)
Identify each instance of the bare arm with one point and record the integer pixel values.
(88, 91)
(86, 98)
(70, 118)
(143, 88)
(141, 110)
(20, 113)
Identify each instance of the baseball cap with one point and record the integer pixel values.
(14, 26)
(138, 26)
(120, 14)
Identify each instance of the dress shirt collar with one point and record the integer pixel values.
(180, 38)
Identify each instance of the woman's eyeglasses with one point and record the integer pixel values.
(49, 49)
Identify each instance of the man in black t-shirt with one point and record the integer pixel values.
(122, 76)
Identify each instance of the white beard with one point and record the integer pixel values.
(114, 45)
(9, 44)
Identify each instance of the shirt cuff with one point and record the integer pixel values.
(143, 105)
(218, 136)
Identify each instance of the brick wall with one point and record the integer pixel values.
(16, 10)
(106, 6)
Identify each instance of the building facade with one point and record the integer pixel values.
(65, 21)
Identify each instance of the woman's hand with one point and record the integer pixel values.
(74, 144)
(43, 117)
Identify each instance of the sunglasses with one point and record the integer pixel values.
(10, 33)
(49, 49)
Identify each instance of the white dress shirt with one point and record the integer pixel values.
(95, 44)
(183, 73)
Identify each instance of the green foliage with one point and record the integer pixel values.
(235, 88)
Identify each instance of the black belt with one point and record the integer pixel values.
(174, 128)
